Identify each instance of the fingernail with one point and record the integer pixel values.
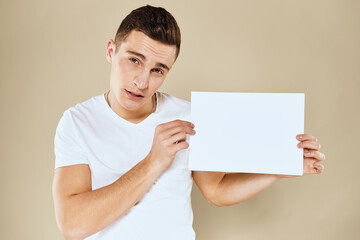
(316, 165)
(299, 137)
(307, 154)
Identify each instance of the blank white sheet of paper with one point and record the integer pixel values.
(247, 132)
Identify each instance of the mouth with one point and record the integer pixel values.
(134, 96)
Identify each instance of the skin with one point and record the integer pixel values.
(221, 189)
(136, 74)
(81, 211)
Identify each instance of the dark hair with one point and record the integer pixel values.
(155, 22)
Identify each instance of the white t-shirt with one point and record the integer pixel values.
(92, 133)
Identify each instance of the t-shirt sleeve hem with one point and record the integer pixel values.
(67, 162)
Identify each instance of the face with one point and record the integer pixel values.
(140, 66)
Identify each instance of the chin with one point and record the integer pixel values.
(130, 105)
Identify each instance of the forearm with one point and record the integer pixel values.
(238, 187)
(90, 212)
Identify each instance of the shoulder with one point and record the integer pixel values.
(175, 104)
(173, 107)
(84, 110)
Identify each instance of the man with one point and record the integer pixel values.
(121, 157)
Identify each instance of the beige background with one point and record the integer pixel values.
(53, 56)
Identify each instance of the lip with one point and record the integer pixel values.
(132, 97)
(135, 93)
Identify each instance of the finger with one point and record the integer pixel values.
(177, 122)
(180, 145)
(311, 166)
(309, 144)
(318, 168)
(177, 129)
(306, 137)
(314, 154)
(178, 135)
(175, 139)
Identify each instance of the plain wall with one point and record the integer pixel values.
(52, 56)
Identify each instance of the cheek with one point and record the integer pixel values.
(155, 83)
(126, 68)
(122, 72)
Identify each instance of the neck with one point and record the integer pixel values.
(133, 116)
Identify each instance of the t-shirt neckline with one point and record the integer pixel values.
(117, 117)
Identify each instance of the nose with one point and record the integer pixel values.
(142, 80)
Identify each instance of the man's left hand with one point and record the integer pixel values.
(312, 156)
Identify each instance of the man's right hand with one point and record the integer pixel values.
(169, 138)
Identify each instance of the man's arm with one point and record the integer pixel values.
(221, 189)
(81, 212)
(225, 189)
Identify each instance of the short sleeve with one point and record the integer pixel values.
(68, 150)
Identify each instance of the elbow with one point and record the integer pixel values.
(70, 235)
(214, 203)
(65, 232)
(70, 232)
(217, 203)
(222, 202)
(212, 197)
(214, 200)
(69, 225)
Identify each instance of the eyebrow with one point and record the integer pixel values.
(144, 58)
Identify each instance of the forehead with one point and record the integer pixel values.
(153, 50)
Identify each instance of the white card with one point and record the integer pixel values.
(247, 132)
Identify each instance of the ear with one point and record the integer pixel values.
(110, 50)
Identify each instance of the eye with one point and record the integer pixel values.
(159, 71)
(134, 60)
